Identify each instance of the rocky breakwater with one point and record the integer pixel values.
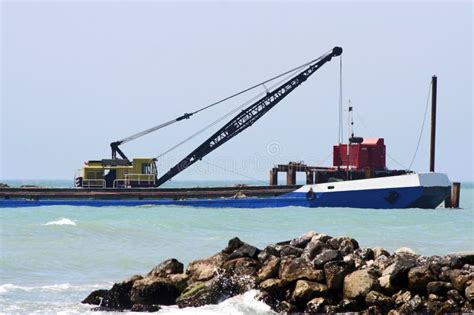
(314, 273)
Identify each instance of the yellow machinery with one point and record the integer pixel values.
(118, 173)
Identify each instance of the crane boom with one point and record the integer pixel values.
(247, 117)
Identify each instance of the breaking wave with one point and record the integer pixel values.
(239, 305)
(62, 221)
(9, 287)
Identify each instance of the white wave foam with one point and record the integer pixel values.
(62, 221)
(8, 287)
(237, 305)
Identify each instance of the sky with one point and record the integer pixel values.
(76, 76)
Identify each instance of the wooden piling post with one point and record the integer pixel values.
(291, 175)
(452, 201)
(274, 176)
(455, 194)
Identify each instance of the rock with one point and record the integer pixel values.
(405, 250)
(286, 307)
(348, 305)
(321, 237)
(398, 271)
(270, 269)
(335, 271)
(418, 278)
(303, 240)
(358, 284)
(456, 297)
(469, 292)
(145, 308)
(242, 266)
(95, 297)
(345, 245)
(267, 253)
(314, 247)
(316, 305)
(151, 290)
(118, 297)
(381, 262)
(180, 281)
(275, 288)
(379, 251)
(412, 305)
(205, 269)
(299, 268)
(449, 306)
(459, 278)
(326, 256)
(232, 245)
(243, 251)
(288, 250)
(401, 297)
(306, 290)
(461, 259)
(379, 300)
(214, 291)
(365, 254)
(438, 287)
(167, 267)
(385, 285)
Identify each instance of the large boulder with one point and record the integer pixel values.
(299, 268)
(325, 256)
(207, 268)
(469, 292)
(152, 290)
(398, 271)
(270, 269)
(459, 278)
(118, 297)
(314, 247)
(95, 297)
(440, 288)
(242, 266)
(303, 240)
(336, 271)
(216, 290)
(381, 301)
(345, 245)
(288, 250)
(418, 278)
(358, 284)
(167, 267)
(306, 290)
(276, 288)
(316, 306)
(245, 251)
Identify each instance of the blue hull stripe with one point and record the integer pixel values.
(370, 198)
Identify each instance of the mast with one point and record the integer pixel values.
(434, 89)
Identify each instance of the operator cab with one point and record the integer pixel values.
(117, 173)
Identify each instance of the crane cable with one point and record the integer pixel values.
(422, 126)
(187, 115)
(289, 74)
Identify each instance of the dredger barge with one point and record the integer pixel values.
(358, 178)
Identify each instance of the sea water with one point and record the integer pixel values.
(53, 257)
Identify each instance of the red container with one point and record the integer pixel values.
(368, 154)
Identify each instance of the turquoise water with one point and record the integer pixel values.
(51, 257)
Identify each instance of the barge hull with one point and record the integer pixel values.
(403, 191)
